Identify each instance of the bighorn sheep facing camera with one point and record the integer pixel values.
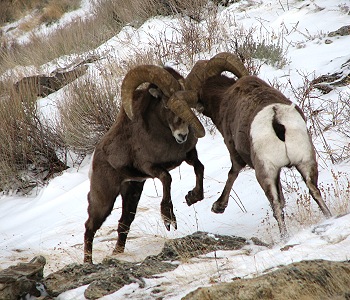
(153, 133)
(260, 126)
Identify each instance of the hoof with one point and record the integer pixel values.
(192, 198)
(217, 209)
(169, 223)
(118, 249)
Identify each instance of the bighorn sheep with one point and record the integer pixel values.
(153, 133)
(260, 126)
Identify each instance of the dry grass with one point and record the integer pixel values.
(29, 151)
(50, 11)
(54, 10)
(89, 109)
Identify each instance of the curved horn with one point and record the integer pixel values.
(225, 61)
(180, 104)
(197, 75)
(204, 69)
(146, 73)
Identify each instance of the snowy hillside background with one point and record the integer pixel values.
(50, 220)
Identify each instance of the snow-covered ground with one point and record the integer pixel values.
(50, 221)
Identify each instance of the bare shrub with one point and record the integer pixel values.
(303, 214)
(325, 116)
(132, 12)
(28, 154)
(87, 112)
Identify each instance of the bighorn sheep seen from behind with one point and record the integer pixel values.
(153, 133)
(260, 126)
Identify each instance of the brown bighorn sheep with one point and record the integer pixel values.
(153, 133)
(260, 126)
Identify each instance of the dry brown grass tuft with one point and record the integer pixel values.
(54, 10)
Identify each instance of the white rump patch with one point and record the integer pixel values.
(269, 148)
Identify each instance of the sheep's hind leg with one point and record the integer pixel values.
(197, 193)
(131, 193)
(100, 207)
(269, 181)
(310, 176)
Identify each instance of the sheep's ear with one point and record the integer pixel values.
(156, 93)
(199, 107)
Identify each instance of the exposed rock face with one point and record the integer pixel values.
(111, 274)
(344, 30)
(305, 280)
(22, 279)
(326, 83)
(42, 85)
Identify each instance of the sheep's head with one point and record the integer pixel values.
(178, 126)
(179, 115)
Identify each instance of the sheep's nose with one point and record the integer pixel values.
(181, 138)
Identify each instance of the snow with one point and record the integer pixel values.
(50, 221)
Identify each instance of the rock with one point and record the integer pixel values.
(42, 85)
(344, 30)
(199, 243)
(310, 280)
(112, 274)
(22, 279)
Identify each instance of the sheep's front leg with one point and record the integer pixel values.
(166, 206)
(237, 165)
(220, 205)
(197, 193)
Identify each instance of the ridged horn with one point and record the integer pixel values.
(180, 104)
(197, 76)
(225, 61)
(146, 73)
(219, 63)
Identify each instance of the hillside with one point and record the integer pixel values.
(303, 53)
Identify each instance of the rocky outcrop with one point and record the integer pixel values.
(113, 274)
(110, 275)
(326, 83)
(318, 280)
(344, 30)
(42, 85)
(22, 279)
(306, 280)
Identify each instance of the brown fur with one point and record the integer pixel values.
(129, 153)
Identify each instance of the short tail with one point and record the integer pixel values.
(278, 127)
(290, 128)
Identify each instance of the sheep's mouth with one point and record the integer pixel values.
(181, 139)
